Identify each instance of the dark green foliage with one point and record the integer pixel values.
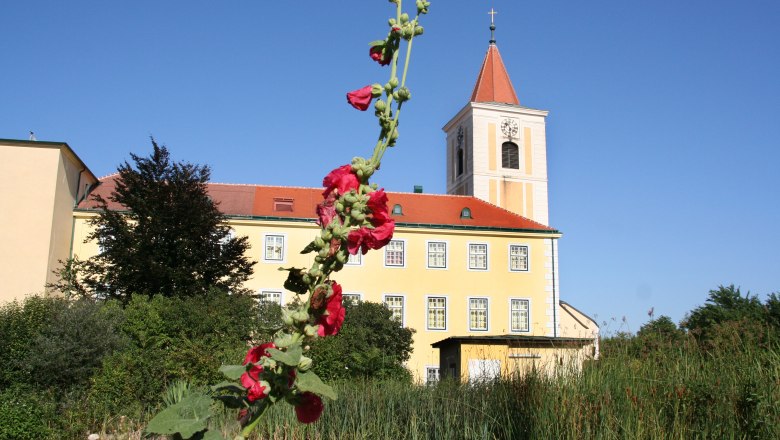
(657, 335)
(729, 319)
(65, 352)
(170, 239)
(25, 414)
(370, 344)
(20, 325)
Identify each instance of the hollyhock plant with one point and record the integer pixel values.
(341, 179)
(330, 322)
(309, 408)
(360, 98)
(380, 55)
(353, 217)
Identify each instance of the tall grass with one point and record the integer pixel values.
(684, 393)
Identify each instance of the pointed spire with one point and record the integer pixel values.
(493, 83)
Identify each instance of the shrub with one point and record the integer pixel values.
(66, 352)
(25, 413)
(20, 325)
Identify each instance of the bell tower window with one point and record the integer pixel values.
(510, 155)
(460, 161)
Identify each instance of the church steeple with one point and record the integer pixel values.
(493, 83)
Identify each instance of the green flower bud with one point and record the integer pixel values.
(380, 105)
(374, 186)
(304, 364)
(376, 90)
(391, 21)
(418, 30)
(404, 18)
(394, 82)
(407, 32)
(310, 330)
(341, 257)
(319, 259)
(339, 205)
(422, 6)
(300, 316)
(327, 235)
(403, 94)
(287, 317)
(306, 278)
(319, 242)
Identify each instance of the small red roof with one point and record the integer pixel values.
(300, 203)
(493, 83)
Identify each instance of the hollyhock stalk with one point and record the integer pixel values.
(353, 217)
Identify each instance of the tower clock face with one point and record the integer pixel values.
(509, 127)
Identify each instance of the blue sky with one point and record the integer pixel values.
(662, 134)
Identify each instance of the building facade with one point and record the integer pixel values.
(475, 272)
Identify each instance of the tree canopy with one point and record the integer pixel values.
(170, 239)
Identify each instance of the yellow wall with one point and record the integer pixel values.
(39, 182)
(414, 281)
(520, 360)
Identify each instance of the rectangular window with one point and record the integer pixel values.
(395, 304)
(355, 260)
(478, 256)
(518, 258)
(431, 375)
(354, 298)
(271, 296)
(478, 314)
(520, 315)
(274, 247)
(437, 313)
(394, 253)
(437, 254)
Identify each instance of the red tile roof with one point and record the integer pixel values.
(418, 209)
(493, 83)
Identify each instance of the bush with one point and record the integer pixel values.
(71, 347)
(370, 344)
(20, 324)
(25, 413)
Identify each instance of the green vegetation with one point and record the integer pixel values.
(721, 380)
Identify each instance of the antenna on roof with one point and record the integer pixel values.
(32, 136)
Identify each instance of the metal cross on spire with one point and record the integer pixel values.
(492, 14)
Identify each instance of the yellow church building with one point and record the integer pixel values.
(474, 272)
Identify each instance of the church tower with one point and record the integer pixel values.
(496, 148)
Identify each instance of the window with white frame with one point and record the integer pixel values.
(271, 296)
(355, 260)
(432, 375)
(478, 314)
(354, 298)
(478, 259)
(520, 319)
(518, 258)
(395, 304)
(437, 254)
(394, 253)
(274, 247)
(437, 313)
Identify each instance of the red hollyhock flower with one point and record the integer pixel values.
(251, 379)
(330, 322)
(363, 239)
(376, 54)
(377, 203)
(309, 408)
(360, 98)
(255, 353)
(341, 179)
(381, 235)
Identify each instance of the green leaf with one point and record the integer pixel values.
(290, 357)
(311, 247)
(212, 435)
(309, 381)
(233, 371)
(229, 386)
(376, 43)
(187, 417)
